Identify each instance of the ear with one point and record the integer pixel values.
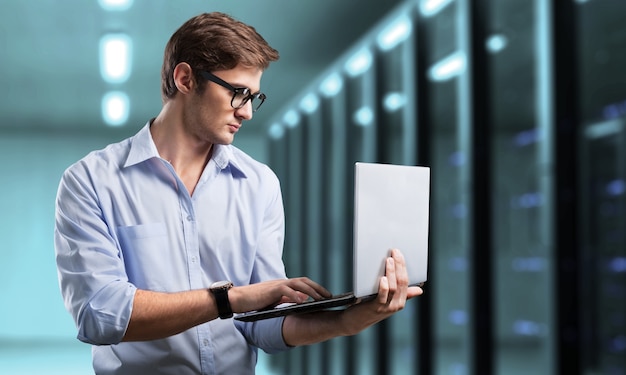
(183, 78)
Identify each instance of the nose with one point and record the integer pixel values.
(245, 112)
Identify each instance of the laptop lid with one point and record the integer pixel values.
(391, 211)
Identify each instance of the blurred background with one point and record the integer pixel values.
(518, 106)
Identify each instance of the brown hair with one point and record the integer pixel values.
(213, 41)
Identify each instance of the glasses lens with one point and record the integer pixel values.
(260, 98)
(242, 95)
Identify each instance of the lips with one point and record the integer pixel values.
(234, 127)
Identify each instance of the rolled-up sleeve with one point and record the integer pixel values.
(91, 274)
(264, 334)
(267, 334)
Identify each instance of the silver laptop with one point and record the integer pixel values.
(391, 210)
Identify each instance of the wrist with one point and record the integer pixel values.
(233, 298)
(220, 291)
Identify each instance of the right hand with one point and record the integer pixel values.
(271, 293)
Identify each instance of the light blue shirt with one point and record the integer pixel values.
(124, 220)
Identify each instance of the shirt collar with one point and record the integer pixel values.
(142, 148)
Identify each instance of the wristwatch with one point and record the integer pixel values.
(220, 291)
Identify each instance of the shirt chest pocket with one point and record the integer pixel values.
(147, 255)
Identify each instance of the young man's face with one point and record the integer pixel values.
(209, 114)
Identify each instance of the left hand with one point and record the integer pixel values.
(393, 292)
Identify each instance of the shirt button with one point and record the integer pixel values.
(193, 259)
(189, 218)
(205, 342)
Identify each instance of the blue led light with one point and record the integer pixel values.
(527, 137)
(458, 317)
(528, 328)
(618, 265)
(616, 187)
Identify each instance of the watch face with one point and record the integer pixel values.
(221, 285)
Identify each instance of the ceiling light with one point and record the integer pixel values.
(309, 103)
(395, 33)
(113, 5)
(359, 63)
(291, 118)
(115, 57)
(276, 131)
(115, 108)
(331, 85)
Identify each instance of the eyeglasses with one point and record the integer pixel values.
(241, 95)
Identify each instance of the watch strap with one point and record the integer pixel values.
(223, 304)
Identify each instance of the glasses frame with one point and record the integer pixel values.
(236, 91)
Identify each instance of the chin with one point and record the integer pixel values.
(225, 141)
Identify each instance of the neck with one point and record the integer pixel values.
(186, 153)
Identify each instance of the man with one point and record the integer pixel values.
(150, 232)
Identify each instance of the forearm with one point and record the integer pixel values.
(158, 315)
(307, 329)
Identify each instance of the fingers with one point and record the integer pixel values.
(393, 288)
(383, 291)
(300, 289)
(309, 287)
(273, 292)
(414, 291)
(402, 276)
(390, 273)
